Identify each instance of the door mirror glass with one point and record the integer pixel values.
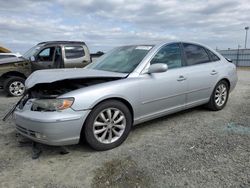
(157, 68)
(32, 59)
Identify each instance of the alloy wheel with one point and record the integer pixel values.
(220, 95)
(17, 88)
(109, 125)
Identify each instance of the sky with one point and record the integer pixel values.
(105, 24)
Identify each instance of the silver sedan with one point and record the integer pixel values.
(127, 86)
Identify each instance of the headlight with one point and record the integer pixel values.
(52, 104)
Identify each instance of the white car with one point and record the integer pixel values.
(10, 55)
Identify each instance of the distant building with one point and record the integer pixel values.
(240, 57)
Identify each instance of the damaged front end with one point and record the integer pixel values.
(44, 96)
(55, 89)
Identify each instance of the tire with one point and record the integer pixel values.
(14, 86)
(99, 121)
(213, 103)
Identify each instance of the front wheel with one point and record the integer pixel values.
(219, 96)
(108, 125)
(14, 86)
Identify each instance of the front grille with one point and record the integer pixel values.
(25, 131)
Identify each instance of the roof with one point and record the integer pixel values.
(61, 42)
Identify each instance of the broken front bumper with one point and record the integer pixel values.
(52, 128)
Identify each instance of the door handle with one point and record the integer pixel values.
(181, 78)
(214, 72)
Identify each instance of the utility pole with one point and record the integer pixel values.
(246, 28)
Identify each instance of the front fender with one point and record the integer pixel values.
(86, 98)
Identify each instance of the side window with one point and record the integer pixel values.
(195, 54)
(213, 56)
(46, 54)
(72, 52)
(170, 55)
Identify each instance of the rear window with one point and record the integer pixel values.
(195, 54)
(213, 56)
(72, 52)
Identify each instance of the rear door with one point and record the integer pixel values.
(201, 74)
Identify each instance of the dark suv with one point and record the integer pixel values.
(45, 55)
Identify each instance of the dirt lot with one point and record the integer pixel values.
(195, 148)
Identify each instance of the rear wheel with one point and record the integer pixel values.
(14, 86)
(219, 96)
(108, 125)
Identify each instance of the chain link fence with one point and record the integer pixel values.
(240, 57)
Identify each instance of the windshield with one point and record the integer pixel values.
(31, 52)
(122, 59)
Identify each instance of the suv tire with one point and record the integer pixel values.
(14, 86)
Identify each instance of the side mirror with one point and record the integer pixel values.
(157, 68)
(32, 59)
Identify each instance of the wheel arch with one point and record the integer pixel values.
(124, 101)
(13, 73)
(226, 80)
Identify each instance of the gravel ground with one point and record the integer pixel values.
(194, 148)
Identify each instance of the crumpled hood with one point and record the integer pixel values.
(53, 75)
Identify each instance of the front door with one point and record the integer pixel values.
(163, 93)
(44, 59)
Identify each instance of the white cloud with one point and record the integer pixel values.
(105, 24)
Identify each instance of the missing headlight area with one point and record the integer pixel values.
(55, 89)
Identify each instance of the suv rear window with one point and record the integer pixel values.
(195, 54)
(72, 52)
